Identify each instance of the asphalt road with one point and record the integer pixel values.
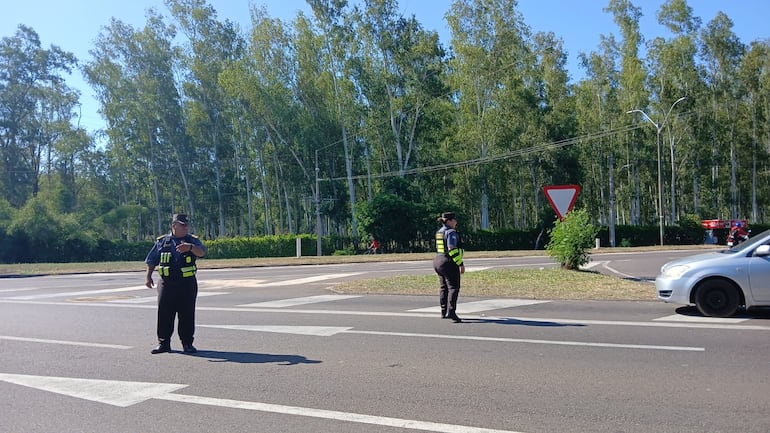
(281, 352)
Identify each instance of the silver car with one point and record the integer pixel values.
(720, 282)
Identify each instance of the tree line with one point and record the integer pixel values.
(356, 121)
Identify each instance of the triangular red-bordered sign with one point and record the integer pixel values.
(562, 198)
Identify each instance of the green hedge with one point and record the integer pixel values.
(265, 246)
(21, 249)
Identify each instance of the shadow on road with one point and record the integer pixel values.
(253, 358)
(753, 313)
(511, 321)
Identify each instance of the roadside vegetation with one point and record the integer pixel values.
(544, 283)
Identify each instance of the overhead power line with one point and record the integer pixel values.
(489, 159)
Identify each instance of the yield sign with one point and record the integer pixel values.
(562, 198)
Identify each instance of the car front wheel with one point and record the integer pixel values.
(717, 298)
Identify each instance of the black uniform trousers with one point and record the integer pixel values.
(449, 283)
(176, 296)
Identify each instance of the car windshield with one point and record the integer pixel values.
(751, 243)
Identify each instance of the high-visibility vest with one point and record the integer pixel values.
(168, 267)
(455, 254)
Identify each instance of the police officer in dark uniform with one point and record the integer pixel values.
(174, 256)
(448, 264)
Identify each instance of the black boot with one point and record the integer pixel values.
(163, 347)
(443, 313)
(452, 315)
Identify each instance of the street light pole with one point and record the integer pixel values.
(319, 250)
(659, 129)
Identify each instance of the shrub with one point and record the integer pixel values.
(571, 238)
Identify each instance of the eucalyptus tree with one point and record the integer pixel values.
(400, 77)
(322, 88)
(276, 81)
(239, 83)
(752, 75)
(675, 75)
(338, 52)
(491, 75)
(132, 72)
(722, 52)
(211, 45)
(36, 108)
(556, 105)
(596, 106)
(633, 95)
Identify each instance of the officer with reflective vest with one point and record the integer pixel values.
(174, 256)
(448, 264)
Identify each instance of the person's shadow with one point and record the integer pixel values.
(520, 322)
(253, 358)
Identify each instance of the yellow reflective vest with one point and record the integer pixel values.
(168, 267)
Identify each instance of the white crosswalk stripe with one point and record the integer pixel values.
(299, 301)
(146, 299)
(80, 293)
(475, 307)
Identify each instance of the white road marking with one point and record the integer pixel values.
(124, 394)
(652, 324)
(605, 264)
(490, 304)
(219, 284)
(313, 279)
(331, 414)
(522, 340)
(477, 268)
(26, 289)
(328, 331)
(67, 343)
(80, 293)
(318, 331)
(112, 392)
(146, 299)
(299, 301)
(699, 319)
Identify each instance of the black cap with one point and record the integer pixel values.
(180, 218)
(449, 216)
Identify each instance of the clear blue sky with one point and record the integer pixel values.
(73, 25)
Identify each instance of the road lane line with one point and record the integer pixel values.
(80, 293)
(700, 319)
(329, 414)
(328, 331)
(293, 302)
(313, 279)
(146, 299)
(475, 307)
(525, 321)
(607, 266)
(124, 394)
(67, 343)
(523, 340)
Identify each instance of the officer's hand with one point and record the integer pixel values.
(149, 283)
(462, 269)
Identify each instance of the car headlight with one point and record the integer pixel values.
(675, 271)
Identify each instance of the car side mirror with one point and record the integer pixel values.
(762, 250)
